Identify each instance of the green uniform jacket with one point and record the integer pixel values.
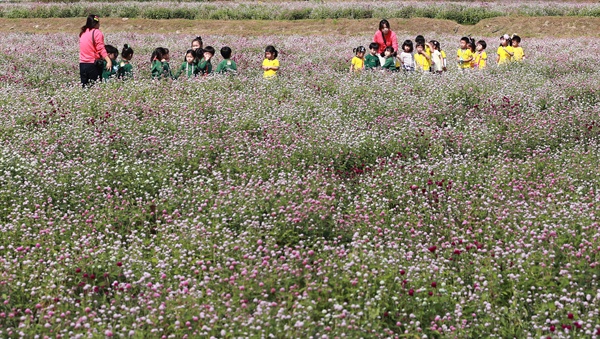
(390, 64)
(160, 70)
(204, 67)
(372, 61)
(227, 66)
(189, 69)
(125, 70)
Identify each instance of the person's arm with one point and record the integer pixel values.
(98, 39)
(394, 41)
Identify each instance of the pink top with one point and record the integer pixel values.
(390, 40)
(90, 51)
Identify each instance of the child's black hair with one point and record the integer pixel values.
(389, 49)
(465, 39)
(359, 49)
(374, 46)
(271, 49)
(190, 51)
(420, 39)
(482, 43)
(436, 44)
(408, 43)
(209, 49)
(226, 52)
(110, 49)
(126, 52)
(159, 54)
(471, 46)
(507, 38)
(516, 38)
(420, 44)
(199, 40)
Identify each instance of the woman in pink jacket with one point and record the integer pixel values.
(91, 49)
(385, 37)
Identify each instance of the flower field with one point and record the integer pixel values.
(320, 204)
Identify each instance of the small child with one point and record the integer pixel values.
(125, 70)
(113, 53)
(197, 43)
(188, 66)
(227, 65)
(480, 56)
(437, 64)
(390, 60)
(505, 50)
(358, 61)
(270, 64)
(371, 59)
(406, 57)
(518, 53)
(422, 60)
(464, 55)
(204, 64)
(160, 64)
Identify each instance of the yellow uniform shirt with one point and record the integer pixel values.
(443, 58)
(503, 53)
(421, 62)
(479, 60)
(358, 64)
(271, 63)
(518, 54)
(464, 55)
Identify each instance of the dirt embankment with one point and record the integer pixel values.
(524, 26)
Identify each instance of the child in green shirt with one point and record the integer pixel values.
(189, 65)
(160, 64)
(390, 60)
(204, 64)
(227, 65)
(113, 53)
(371, 59)
(125, 69)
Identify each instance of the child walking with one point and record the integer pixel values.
(358, 61)
(518, 53)
(125, 70)
(270, 64)
(464, 55)
(160, 64)
(227, 65)
(188, 66)
(406, 56)
(505, 50)
(372, 59)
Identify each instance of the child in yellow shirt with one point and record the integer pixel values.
(505, 51)
(358, 62)
(480, 56)
(518, 54)
(422, 60)
(464, 55)
(270, 65)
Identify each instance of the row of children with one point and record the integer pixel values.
(429, 56)
(197, 62)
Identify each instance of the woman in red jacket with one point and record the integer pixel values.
(385, 37)
(91, 49)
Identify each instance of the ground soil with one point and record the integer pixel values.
(524, 26)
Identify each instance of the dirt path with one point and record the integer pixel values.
(524, 26)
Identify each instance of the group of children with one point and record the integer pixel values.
(429, 56)
(197, 62)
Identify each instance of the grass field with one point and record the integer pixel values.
(320, 204)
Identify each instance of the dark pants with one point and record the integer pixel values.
(89, 74)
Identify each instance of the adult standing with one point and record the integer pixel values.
(385, 37)
(91, 49)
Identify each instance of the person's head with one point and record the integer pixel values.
(159, 54)
(505, 40)
(419, 39)
(112, 51)
(516, 40)
(388, 52)
(190, 56)
(481, 45)
(471, 46)
(436, 45)
(270, 52)
(208, 52)
(420, 47)
(226, 52)
(92, 21)
(360, 51)
(464, 42)
(373, 48)
(384, 26)
(126, 52)
(197, 43)
(407, 46)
